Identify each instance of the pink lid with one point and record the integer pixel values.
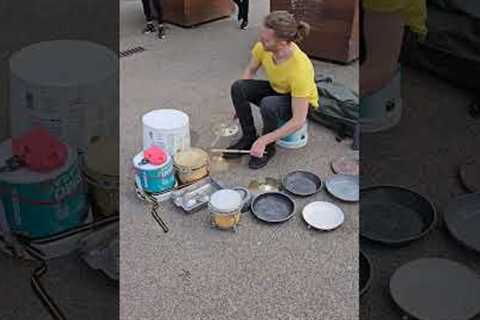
(40, 151)
(155, 155)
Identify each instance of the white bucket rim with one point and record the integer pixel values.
(157, 120)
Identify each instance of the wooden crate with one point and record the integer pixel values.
(335, 27)
(188, 13)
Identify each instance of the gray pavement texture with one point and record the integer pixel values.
(435, 136)
(283, 271)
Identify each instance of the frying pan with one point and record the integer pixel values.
(395, 215)
(273, 207)
(302, 183)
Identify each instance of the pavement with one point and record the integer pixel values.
(283, 271)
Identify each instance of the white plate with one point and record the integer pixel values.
(323, 215)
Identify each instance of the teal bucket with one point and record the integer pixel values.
(39, 205)
(295, 140)
(154, 178)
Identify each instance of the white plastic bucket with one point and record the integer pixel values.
(168, 129)
(65, 86)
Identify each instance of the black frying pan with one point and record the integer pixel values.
(302, 183)
(273, 207)
(395, 215)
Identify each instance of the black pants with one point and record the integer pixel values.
(242, 9)
(276, 109)
(147, 10)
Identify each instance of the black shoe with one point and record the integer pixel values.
(258, 163)
(244, 24)
(245, 143)
(161, 32)
(150, 28)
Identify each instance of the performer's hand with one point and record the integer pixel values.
(258, 148)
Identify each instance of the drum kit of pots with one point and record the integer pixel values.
(268, 199)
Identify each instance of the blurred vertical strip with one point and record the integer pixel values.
(59, 77)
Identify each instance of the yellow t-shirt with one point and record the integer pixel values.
(295, 76)
(414, 12)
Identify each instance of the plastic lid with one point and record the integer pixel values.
(40, 151)
(226, 200)
(155, 155)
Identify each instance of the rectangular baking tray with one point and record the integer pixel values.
(196, 196)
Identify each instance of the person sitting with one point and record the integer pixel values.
(284, 98)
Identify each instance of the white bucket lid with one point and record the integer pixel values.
(63, 63)
(148, 166)
(226, 200)
(165, 119)
(27, 176)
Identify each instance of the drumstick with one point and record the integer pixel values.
(229, 151)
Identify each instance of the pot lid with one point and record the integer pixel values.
(191, 158)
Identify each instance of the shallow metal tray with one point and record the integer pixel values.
(197, 195)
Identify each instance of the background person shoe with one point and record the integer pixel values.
(149, 28)
(279, 100)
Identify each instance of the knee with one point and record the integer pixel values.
(237, 87)
(268, 105)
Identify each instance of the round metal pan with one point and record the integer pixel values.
(302, 183)
(434, 288)
(462, 218)
(344, 187)
(394, 215)
(365, 273)
(273, 207)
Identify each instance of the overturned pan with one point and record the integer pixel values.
(394, 215)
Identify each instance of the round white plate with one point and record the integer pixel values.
(323, 215)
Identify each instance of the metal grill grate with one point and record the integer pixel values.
(131, 51)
